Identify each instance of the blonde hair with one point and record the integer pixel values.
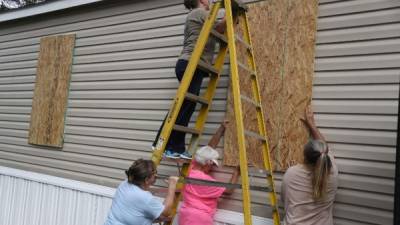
(317, 159)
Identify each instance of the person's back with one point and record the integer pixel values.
(133, 206)
(300, 207)
(193, 25)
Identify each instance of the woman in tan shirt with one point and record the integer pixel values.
(309, 189)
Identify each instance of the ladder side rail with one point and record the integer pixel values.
(185, 83)
(238, 113)
(261, 121)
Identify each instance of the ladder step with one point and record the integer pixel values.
(251, 101)
(219, 36)
(254, 135)
(207, 68)
(251, 72)
(195, 98)
(239, 39)
(186, 129)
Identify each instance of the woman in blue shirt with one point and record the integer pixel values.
(133, 204)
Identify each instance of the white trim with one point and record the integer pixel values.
(43, 8)
(58, 181)
(222, 216)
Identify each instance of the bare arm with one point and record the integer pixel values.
(233, 180)
(169, 199)
(310, 122)
(217, 136)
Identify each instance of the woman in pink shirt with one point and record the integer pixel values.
(200, 202)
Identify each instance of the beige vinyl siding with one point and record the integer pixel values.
(123, 82)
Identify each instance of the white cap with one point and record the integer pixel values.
(205, 154)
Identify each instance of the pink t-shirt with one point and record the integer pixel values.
(199, 202)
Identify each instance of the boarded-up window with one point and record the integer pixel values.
(51, 90)
(283, 36)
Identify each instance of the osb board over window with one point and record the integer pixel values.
(283, 36)
(51, 90)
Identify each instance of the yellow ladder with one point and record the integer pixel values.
(227, 42)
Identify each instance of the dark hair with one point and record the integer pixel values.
(191, 4)
(139, 171)
(316, 157)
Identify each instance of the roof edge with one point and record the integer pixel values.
(43, 8)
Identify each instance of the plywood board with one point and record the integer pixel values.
(283, 35)
(51, 90)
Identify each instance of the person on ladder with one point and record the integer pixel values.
(309, 189)
(200, 202)
(199, 10)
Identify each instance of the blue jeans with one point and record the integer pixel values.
(176, 141)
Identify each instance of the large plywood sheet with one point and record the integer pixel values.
(51, 90)
(283, 35)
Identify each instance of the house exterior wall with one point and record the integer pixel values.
(123, 83)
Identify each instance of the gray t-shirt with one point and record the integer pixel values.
(194, 22)
(300, 208)
(133, 206)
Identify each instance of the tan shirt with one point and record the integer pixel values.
(194, 22)
(300, 208)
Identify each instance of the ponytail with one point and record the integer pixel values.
(317, 159)
(320, 176)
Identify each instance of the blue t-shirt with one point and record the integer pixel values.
(133, 206)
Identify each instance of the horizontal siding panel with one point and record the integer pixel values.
(365, 199)
(130, 45)
(128, 65)
(19, 50)
(18, 80)
(137, 85)
(384, 138)
(389, 91)
(364, 214)
(61, 164)
(129, 36)
(18, 65)
(99, 27)
(377, 76)
(377, 169)
(88, 14)
(18, 72)
(357, 62)
(16, 94)
(122, 56)
(131, 104)
(359, 19)
(15, 110)
(19, 57)
(111, 162)
(133, 94)
(347, 7)
(366, 183)
(357, 121)
(381, 31)
(359, 48)
(385, 107)
(214, 117)
(61, 173)
(365, 152)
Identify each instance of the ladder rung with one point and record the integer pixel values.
(247, 99)
(244, 43)
(241, 65)
(255, 135)
(207, 68)
(220, 36)
(195, 98)
(186, 129)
